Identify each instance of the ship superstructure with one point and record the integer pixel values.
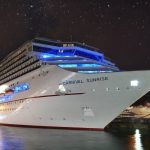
(73, 56)
(57, 84)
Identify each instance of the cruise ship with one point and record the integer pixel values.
(65, 85)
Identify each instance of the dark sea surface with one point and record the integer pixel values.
(14, 138)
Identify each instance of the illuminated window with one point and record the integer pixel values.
(5, 98)
(134, 83)
(21, 87)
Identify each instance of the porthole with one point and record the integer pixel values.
(117, 88)
(93, 90)
(107, 89)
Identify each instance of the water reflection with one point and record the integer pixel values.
(44, 139)
(9, 141)
(134, 141)
(138, 143)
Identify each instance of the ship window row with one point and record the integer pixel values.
(21, 60)
(11, 103)
(13, 60)
(8, 109)
(14, 84)
(10, 56)
(25, 64)
(14, 55)
(19, 63)
(22, 72)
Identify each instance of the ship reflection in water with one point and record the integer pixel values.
(138, 143)
(44, 139)
(135, 142)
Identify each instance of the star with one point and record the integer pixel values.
(119, 28)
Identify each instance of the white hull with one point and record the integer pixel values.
(87, 105)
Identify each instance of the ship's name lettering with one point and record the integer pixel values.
(97, 79)
(72, 82)
(82, 81)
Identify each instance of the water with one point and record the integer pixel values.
(13, 138)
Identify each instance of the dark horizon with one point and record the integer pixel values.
(118, 28)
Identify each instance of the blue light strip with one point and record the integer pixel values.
(68, 65)
(78, 65)
(45, 56)
(89, 65)
(95, 71)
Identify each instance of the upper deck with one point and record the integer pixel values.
(71, 56)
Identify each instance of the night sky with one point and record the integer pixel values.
(120, 28)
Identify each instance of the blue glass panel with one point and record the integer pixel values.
(21, 87)
(5, 98)
(87, 55)
(45, 50)
(66, 52)
(61, 51)
(16, 89)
